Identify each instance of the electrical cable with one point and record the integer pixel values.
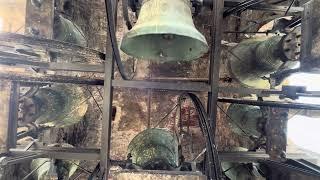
(295, 22)
(80, 167)
(162, 119)
(232, 9)
(112, 35)
(234, 122)
(232, 167)
(278, 2)
(247, 6)
(96, 102)
(28, 175)
(206, 130)
(31, 92)
(241, 7)
(291, 4)
(95, 172)
(126, 14)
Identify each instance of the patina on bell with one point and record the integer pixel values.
(154, 149)
(165, 31)
(246, 120)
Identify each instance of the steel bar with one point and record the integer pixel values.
(306, 34)
(94, 154)
(287, 168)
(275, 104)
(254, 156)
(260, 7)
(76, 67)
(276, 132)
(265, 7)
(7, 161)
(106, 120)
(52, 45)
(13, 116)
(108, 94)
(175, 86)
(246, 91)
(214, 72)
(275, 8)
(216, 35)
(60, 153)
(200, 86)
(47, 79)
(306, 165)
(27, 79)
(205, 80)
(52, 65)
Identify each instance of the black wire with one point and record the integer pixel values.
(252, 4)
(125, 14)
(162, 119)
(234, 122)
(205, 133)
(80, 167)
(241, 7)
(232, 167)
(232, 9)
(295, 22)
(95, 172)
(206, 129)
(91, 94)
(28, 175)
(112, 35)
(291, 4)
(278, 2)
(31, 92)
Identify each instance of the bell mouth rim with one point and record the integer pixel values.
(196, 43)
(141, 30)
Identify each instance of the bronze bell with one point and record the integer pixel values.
(165, 31)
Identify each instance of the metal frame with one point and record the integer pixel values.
(212, 87)
(13, 116)
(94, 154)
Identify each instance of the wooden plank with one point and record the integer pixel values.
(5, 88)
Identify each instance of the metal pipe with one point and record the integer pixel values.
(215, 58)
(47, 79)
(104, 156)
(271, 104)
(93, 154)
(13, 116)
(262, 7)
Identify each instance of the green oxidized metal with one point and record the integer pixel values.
(67, 31)
(165, 31)
(63, 168)
(60, 105)
(238, 171)
(246, 118)
(154, 149)
(255, 58)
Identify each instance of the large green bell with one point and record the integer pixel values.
(246, 120)
(154, 149)
(256, 58)
(165, 31)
